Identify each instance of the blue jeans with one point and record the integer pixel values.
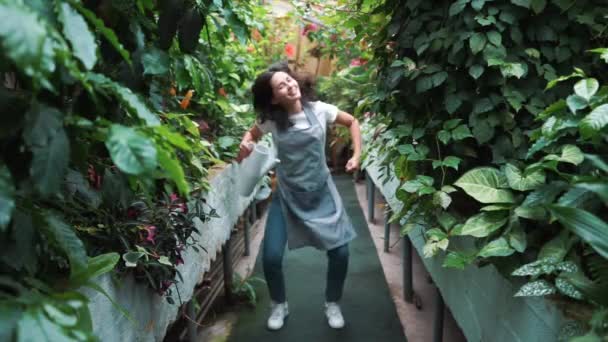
(275, 239)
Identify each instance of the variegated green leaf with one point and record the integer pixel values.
(486, 185)
(536, 288)
(498, 247)
(483, 224)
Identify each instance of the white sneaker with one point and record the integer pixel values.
(334, 315)
(278, 312)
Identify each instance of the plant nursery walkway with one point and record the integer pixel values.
(367, 306)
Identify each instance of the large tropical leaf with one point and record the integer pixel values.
(36, 326)
(483, 224)
(499, 247)
(77, 32)
(595, 121)
(589, 227)
(518, 181)
(103, 30)
(67, 240)
(174, 169)
(41, 124)
(155, 62)
(134, 104)
(96, 266)
(132, 152)
(7, 200)
(50, 163)
(586, 88)
(484, 184)
(25, 41)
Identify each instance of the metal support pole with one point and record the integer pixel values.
(387, 228)
(254, 212)
(408, 288)
(246, 231)
(192, 328)
(227, 261)
(438, 321)
(371, 192)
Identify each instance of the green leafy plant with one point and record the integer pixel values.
(104, 141)
(33, 310)
(489, 144)
(243, 288)
(344, 89)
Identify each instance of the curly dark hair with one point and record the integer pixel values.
(262, 95)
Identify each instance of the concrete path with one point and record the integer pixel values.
(416, 323)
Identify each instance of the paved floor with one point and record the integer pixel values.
(417, 323)
(367, 303)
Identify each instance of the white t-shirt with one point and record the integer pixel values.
(325, 112)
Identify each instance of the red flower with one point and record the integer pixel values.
(222, 92)
(203, 126)
(132, 213)
(255, 34)
(290, 50)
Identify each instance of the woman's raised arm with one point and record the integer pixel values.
(347, 120)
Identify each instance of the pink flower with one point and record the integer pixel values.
(151, 233)
(309, 28)
(358, 61)
(164, 286)
(182, 207)
(173, 197)
(94, 178)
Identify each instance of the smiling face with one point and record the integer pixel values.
(285, 89)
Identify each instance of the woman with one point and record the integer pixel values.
(307, 209)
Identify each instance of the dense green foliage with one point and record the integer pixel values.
(112, 113)
(491, 143)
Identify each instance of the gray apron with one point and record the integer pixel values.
(310, 202)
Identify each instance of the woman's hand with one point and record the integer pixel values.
(245, 150)
(247, 143)
(352, 164)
